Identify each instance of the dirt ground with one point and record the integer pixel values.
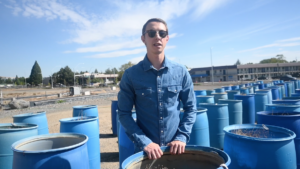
(108, 142)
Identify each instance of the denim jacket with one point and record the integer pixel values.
(156, 95)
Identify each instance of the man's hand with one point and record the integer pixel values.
(153, 151)
(177, 147)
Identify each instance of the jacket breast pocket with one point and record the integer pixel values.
(173, 93)
(144, 97)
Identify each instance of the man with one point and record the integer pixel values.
(155, 86)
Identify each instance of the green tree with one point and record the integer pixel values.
(8, 81)
(96, 71)
(17, 82)
(108, 71)
(36, 74)
(123, 68)
(64, 76)
(238, 62)
(115, 70)
(273, 60)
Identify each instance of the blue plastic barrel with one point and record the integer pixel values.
(251, 90)
(289, 120)
(248, 108)
(227, 88)
(261, 100)
(85, 110)
(205, 99)
(260, 147)
(268, 91)
(235, 87)
(275, 92)
(295, 84)
(241, 85)
(295, 95)
(218, 118)
(261, 86)
(38, 118)
(244, 90)
(297, 91)
(126, 146)
(114, 108)
(231, 93)
(285, 86)
(290, 98)
(218, 96)
(10, 133)
(192, 158)
(235, 110)
(260, 81)
(297, 101)
(88, 126)
(283, 108)
(200, 131)
(219, 90)
(255, 87)
(209, 92)
(51, 151)
(133, 111)
(289, 88)
(200, 92)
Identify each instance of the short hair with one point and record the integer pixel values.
(154, 20)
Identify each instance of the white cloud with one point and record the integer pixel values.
(136, 59)
(119, 53)
(110, 46)
(204, 7)
(279, 43)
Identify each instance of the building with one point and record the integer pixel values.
(243, 72)
(220, 73)
(271, 70)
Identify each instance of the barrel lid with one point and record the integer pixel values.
(228, 91)
(230, 100)
(212, 104)
(283, 105)
(84, 106)
(285, 114)
(17, 126)
(30, 114)
(205, 96)
(28, 145)
(289, 134)
(78, 119)
(246, 95)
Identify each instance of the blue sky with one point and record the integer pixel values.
(101, 34)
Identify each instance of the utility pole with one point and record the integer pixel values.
(212, 70)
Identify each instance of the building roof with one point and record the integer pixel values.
(215, 68)
(267, 65)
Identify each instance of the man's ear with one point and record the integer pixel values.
(143, 39)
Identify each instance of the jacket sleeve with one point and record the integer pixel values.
(126, 100)
(187, 96)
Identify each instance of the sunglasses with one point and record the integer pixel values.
(152, 33)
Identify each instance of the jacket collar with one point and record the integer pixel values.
(147, 65)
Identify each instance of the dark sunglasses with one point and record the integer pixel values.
(152, 33)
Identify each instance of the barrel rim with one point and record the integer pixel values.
(204, 96)
(69, 120)
(259, 94)
(246, 95)
(84, 106)
(284, 105)
(227, 130)
(142, 155)
(212, 104)
(230, 100)
(266, 113)
(199, 90)
(295, 100)
(219, 93)
(232, 91)
(45, 136)
(39, 113)
(32, 126)
(203, 110)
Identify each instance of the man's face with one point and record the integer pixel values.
(155, 45)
